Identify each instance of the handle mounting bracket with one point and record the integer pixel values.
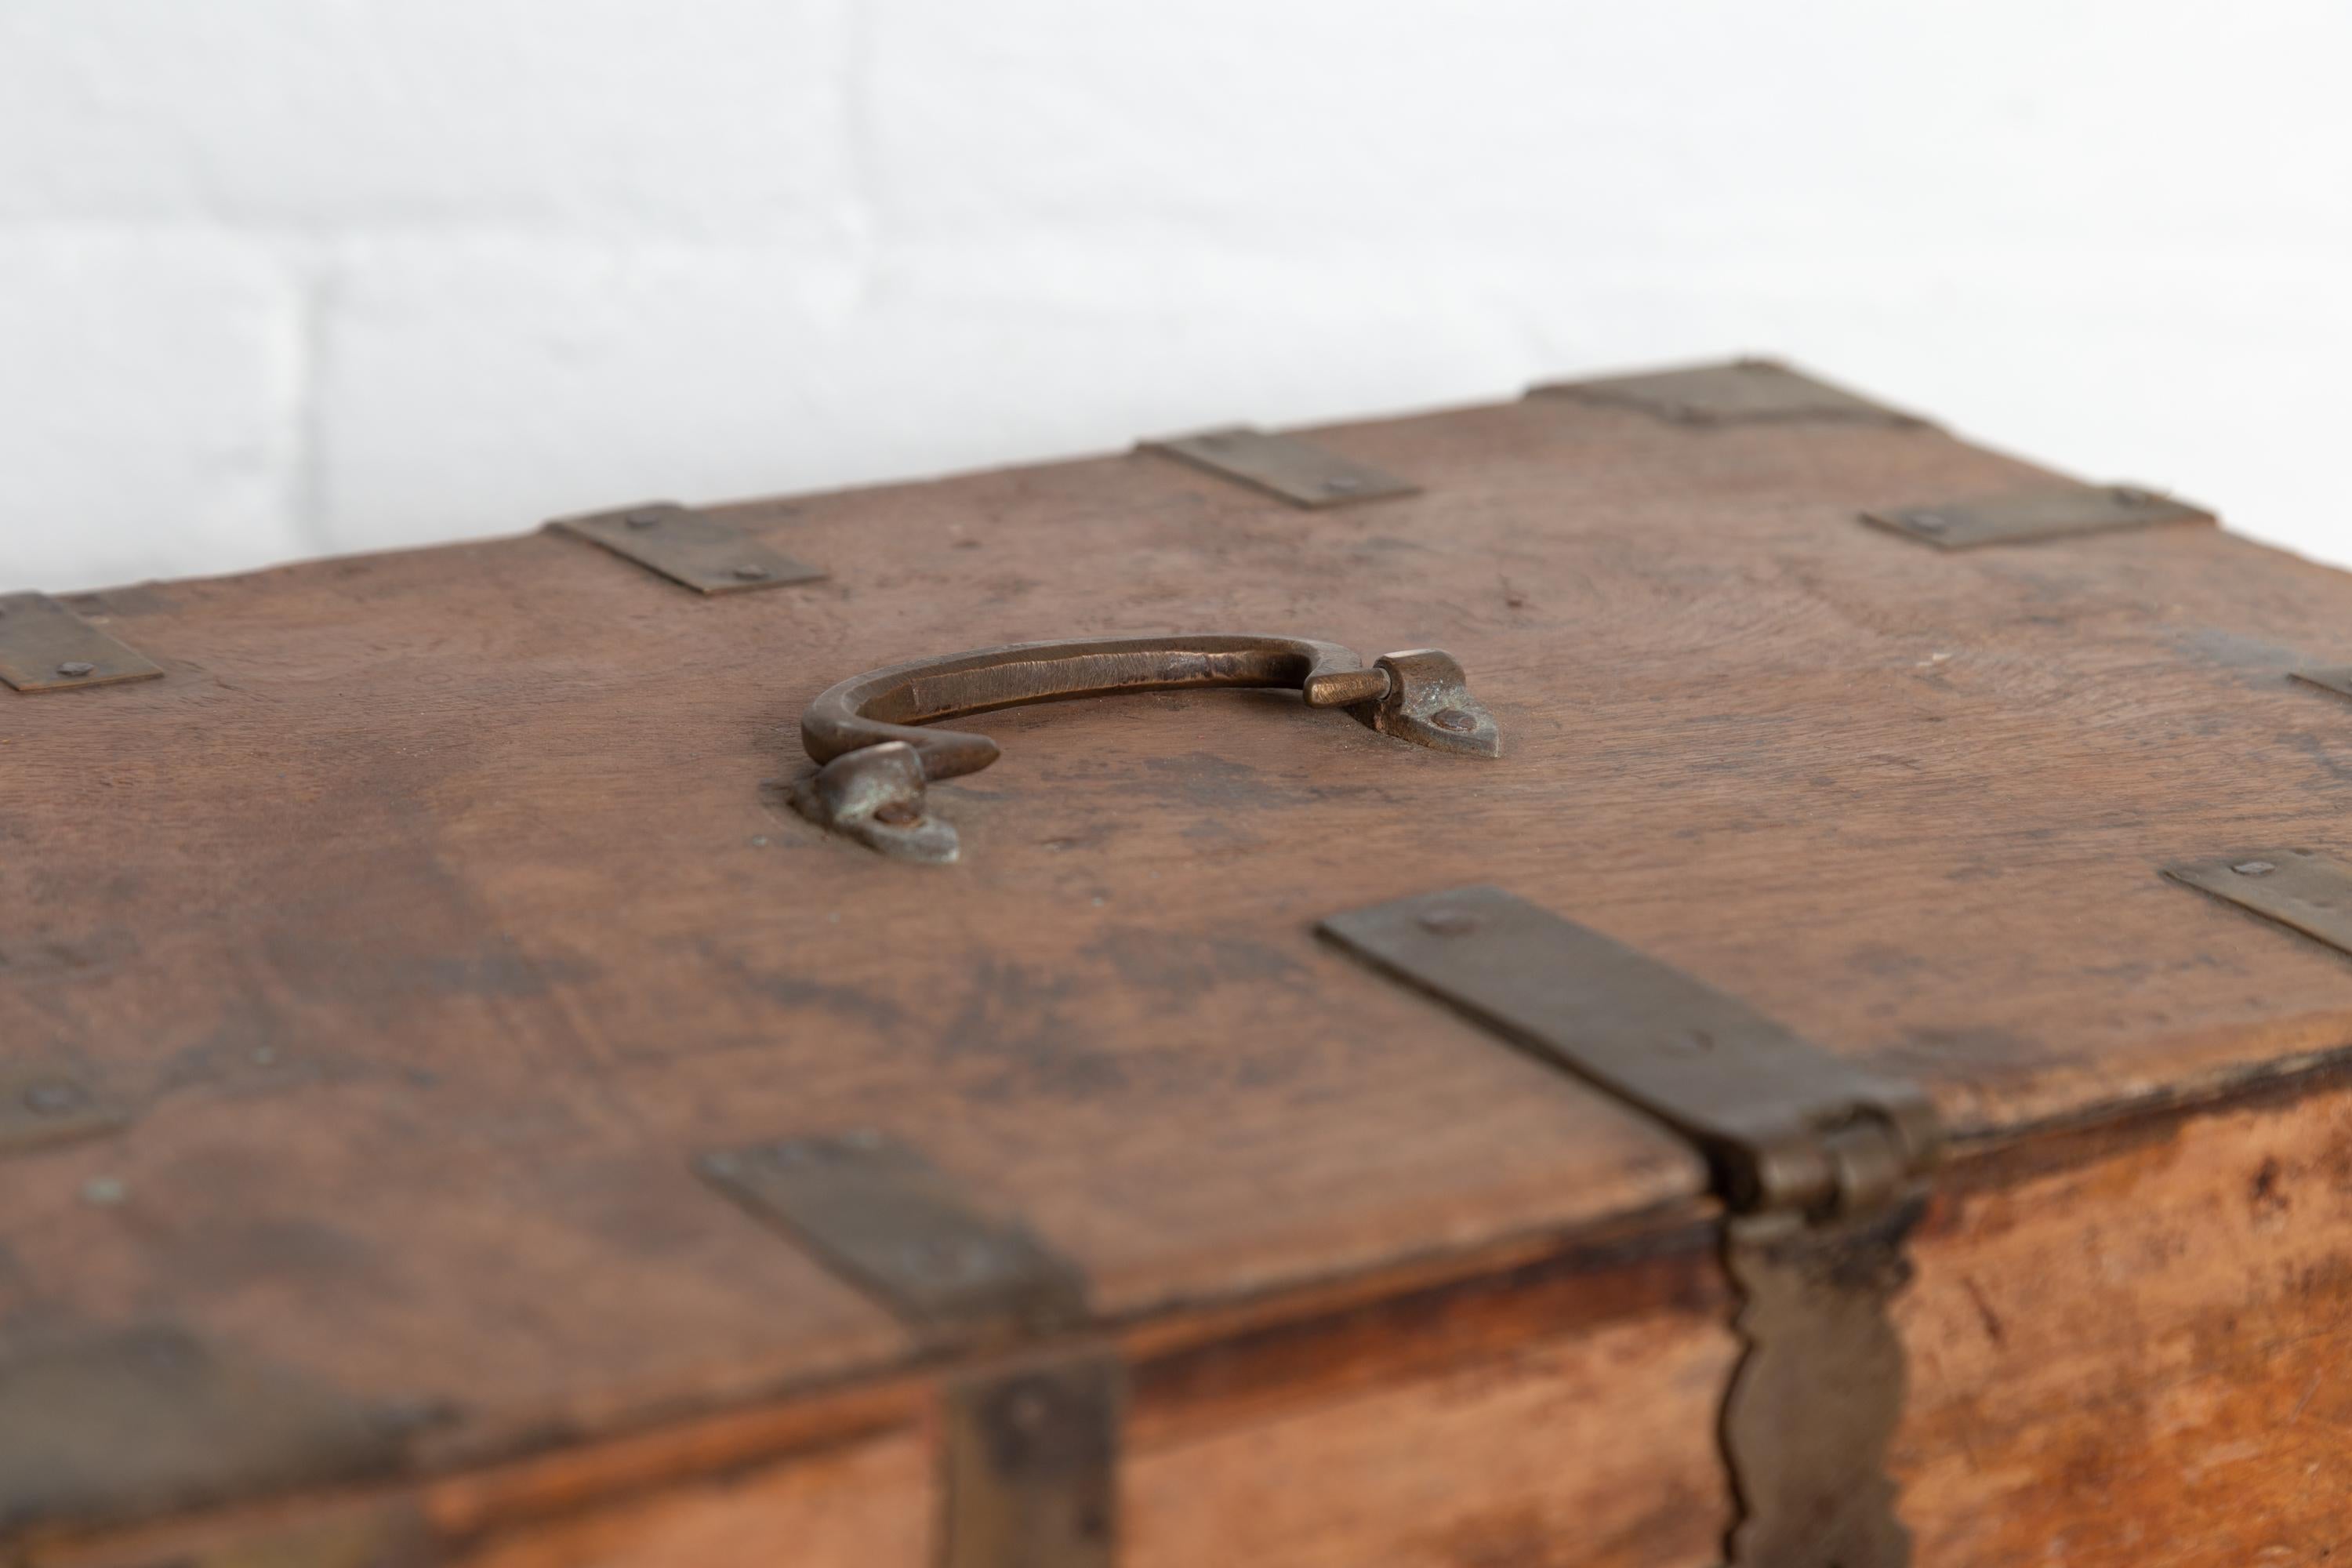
(876, 756)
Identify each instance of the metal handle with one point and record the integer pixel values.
(877, 762)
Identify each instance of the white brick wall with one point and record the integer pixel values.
(279, 277)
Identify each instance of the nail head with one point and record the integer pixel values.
(1448, 921)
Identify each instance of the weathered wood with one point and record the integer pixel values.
(2126, 1345)
(438, 908)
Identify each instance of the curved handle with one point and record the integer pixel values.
(876, 761)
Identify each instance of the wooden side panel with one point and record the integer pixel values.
(1586, 1450)
(2145, 1361)
(866, 1506)
(2127, 1352)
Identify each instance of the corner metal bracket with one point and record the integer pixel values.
(44, 647)
(1030, 1435)
(2034, 515)
(1285, 466)
(1745, 391)
(1822, 1165)
(690, 547)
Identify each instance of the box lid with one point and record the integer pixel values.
(437, 911)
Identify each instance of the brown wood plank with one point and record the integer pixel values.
(2130, 1352)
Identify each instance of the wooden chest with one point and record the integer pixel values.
(1858, 1079)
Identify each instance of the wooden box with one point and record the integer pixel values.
(1858, 1079)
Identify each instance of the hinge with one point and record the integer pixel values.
(1296, 471)
(1745, 391)
(44, 647)
(1030, 1435)
(690, 547)
(2034, 515)
(1822, 1165)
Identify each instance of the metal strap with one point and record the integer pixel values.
(690, 547)
(1821, 1160)
(1758, 1100)
(2034, 515)
(2299, 890)
(1747, 392)
(1029, 1454)
(1296, 471)
(44, 647)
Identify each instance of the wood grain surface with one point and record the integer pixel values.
(439, 908)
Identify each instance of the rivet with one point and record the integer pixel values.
(1453, 718)
(2253, 867)
(751, 572)
(898, 814)
(1445, 921)
(1928, 521)
(1343, 483)
(75, 668)
(53, 1099)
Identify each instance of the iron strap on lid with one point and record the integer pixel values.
(1030, 1435)
(1821, 1162)
(1284, 466)
(689, 548)
(45, 646)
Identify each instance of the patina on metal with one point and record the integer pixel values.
(1029, 1465)
(2298, 888)
(690, 547)
(1815, 1400)
(45, 646)
(1822, 1163)
(1030, 1437)
(884, 1217)
(1746, 392)
(876, 757)
(2034, 515)
(134, 1422)
(41, 1107)
(1296, 471)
